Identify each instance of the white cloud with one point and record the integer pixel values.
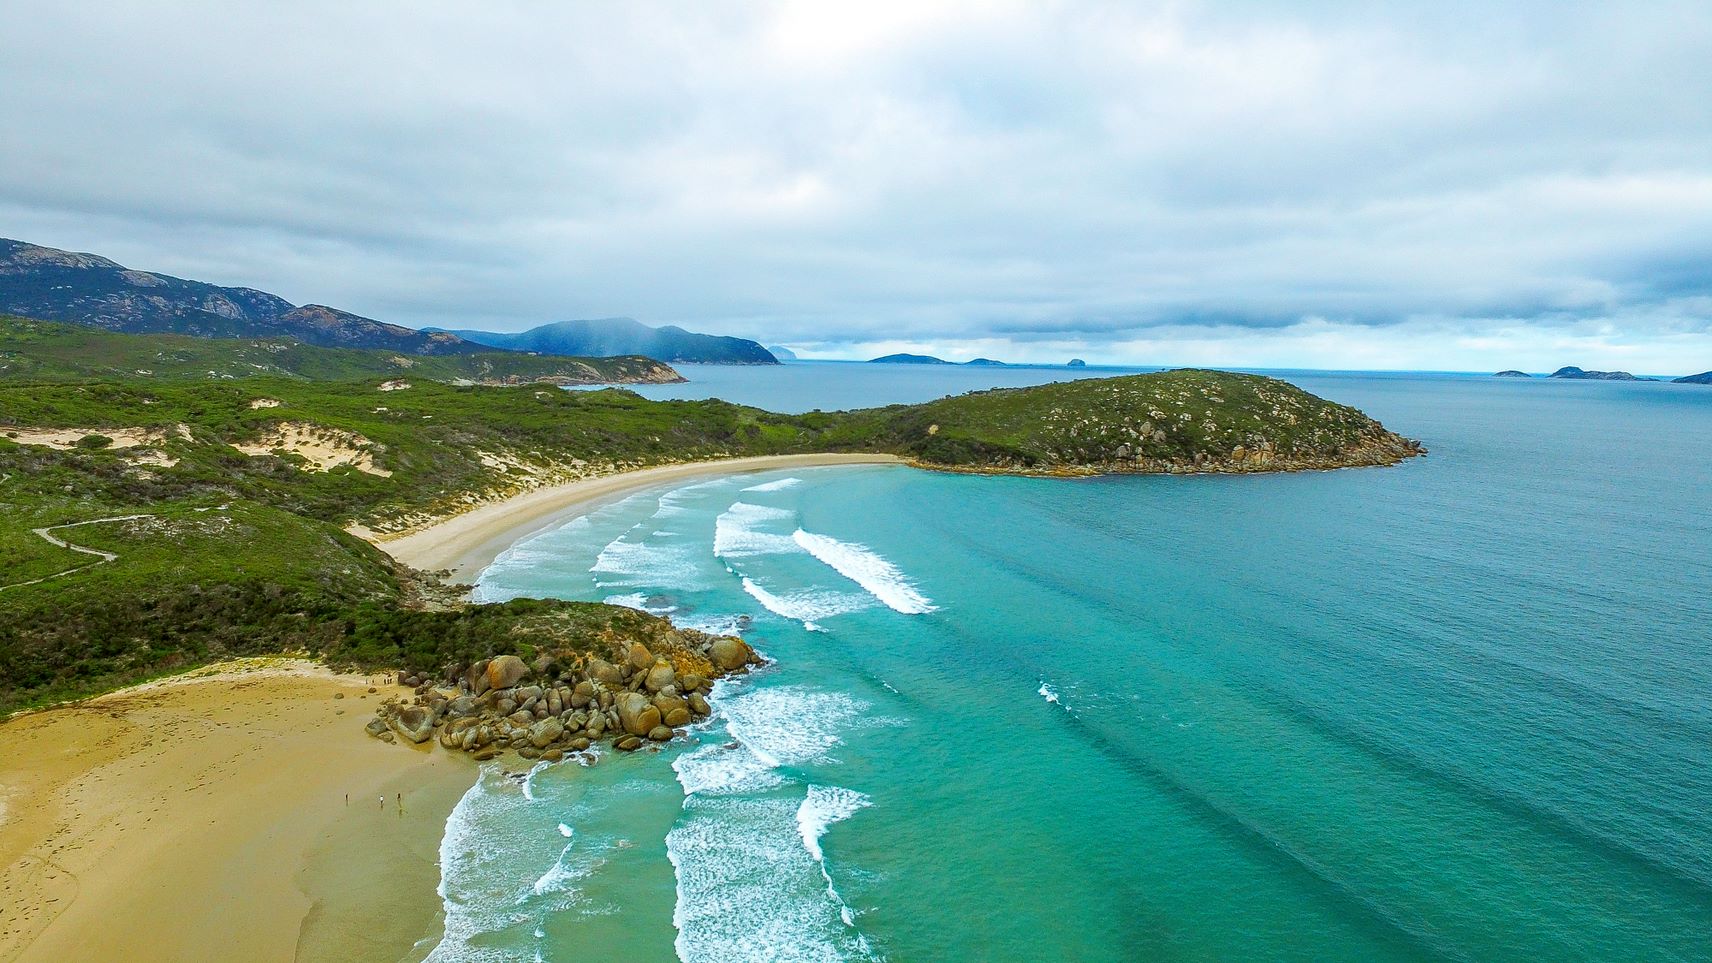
(1180, 182)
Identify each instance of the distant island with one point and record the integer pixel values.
(781, 352)
(908, 359)
(608, 337)
(930, 359)
(1077, 363)
(1573, 373)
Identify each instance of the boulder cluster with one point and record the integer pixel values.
(551, 708)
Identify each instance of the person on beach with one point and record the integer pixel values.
(383, 802)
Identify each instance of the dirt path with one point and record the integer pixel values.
(102, 558)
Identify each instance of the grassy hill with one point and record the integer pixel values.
(244, 486)
(51, 351)
(1171, 421)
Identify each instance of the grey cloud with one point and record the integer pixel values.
(1098, 174)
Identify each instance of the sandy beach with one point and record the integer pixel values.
(465, 544)
(204, 817)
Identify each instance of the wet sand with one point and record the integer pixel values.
(203, 817)
(465, 544)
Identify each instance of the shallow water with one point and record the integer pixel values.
(1451, 710)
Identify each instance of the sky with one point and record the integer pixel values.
(1441, 185)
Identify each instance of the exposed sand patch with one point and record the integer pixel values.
(64, 438)
(264, 403)
(394, 386)
(323, 448)
(186, 819)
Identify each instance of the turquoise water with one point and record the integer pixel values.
(1457, 709)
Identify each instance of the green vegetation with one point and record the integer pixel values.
(1185, 420)
(241, 490)
(52, 351)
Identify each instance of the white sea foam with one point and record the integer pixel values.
(746, 851)
(529, 780)
(558, 879)
(823, 806)
(629, 561)
(1048, 693)
(775, 486)
(565, 831)
(805, 607)
(783, 726)
(713, 770)
(863, 566)
(713, 624)
(747, 890)
(736, 532)
(468, 851)
(639, 601)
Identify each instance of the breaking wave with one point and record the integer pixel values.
(863, 566)
(736, 532)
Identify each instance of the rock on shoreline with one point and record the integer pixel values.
(567, 702)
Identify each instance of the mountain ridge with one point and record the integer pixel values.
(49, 284)
(607, 337)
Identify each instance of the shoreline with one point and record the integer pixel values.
(467, 543)
(204, 816)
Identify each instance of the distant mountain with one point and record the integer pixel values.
(908, 359)
(1513, 373)
(986, 363)
(781, 352)
(32, 350)
(54, 285)
(609, 337)
(1576, 374)
(1077, 363)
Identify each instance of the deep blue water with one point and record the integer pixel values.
(1456, 709)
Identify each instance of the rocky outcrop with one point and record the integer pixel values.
(729, 654)
(565, 703)
(505, 672)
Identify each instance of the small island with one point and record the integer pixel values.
(902, 358)
(1512, 373)
(930, 359)
(1572, 373)
(1077, 363)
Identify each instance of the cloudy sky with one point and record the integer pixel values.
(1433, 185)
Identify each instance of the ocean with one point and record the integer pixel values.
(1459, 709)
